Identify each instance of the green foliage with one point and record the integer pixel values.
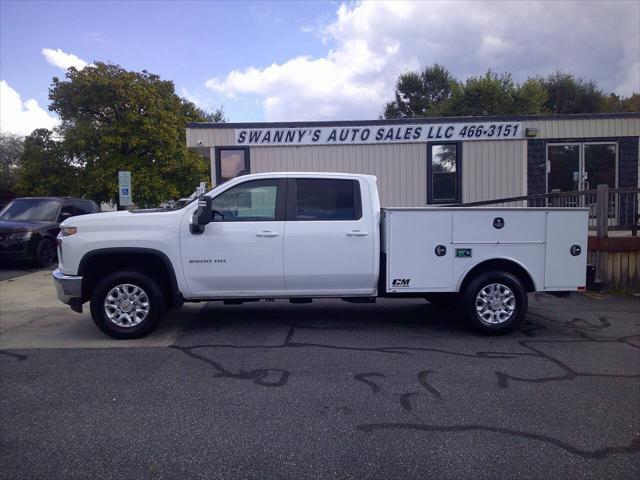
(113, 119)
(613, 103)
(487, 95)
(567, 94)
(43, 170)
(420, 94)
(215, 116)
(530, 97)
(10, 151)
(434, 92)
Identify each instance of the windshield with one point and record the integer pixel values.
(31, 209)
(183, 202)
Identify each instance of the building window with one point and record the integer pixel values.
(443, 173)
(230, 163)
(325, 199)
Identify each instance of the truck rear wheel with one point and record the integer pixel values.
(496, 302)
(127, 305)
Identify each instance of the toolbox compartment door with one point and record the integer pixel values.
(412, 263)
(563, 270)
(486, 225)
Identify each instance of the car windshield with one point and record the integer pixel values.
(31, 209)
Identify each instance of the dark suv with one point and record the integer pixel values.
(29, 226)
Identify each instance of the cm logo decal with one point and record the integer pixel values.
(400, 282)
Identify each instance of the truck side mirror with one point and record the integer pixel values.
(202, 216)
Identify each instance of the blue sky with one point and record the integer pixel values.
(187, 42)
(269, 61)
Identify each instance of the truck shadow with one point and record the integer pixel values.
(332, 315)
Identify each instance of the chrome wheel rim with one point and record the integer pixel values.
(126, 305)
(495, 303)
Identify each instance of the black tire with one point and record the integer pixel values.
(45, 253)
(155, 303)
(474, 300)
(442, 299)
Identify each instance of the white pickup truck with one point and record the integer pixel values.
(300, 236)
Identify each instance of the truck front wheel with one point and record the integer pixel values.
(127, 305)
(496, 302)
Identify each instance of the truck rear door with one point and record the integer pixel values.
(329, 237)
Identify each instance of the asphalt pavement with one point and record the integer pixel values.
(398, 389)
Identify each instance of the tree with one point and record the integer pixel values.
(631, 104)
(43, 170)
(530, 97)
(567, 94)
(613, 103)
(489, 94)
(420, 94)
(10, 151)
(113, 119)
(215, 116)
(435, 92)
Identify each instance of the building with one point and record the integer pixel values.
(425, 161)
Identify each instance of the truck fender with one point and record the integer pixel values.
(504, 260)
(177, 298)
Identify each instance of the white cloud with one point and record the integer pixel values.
(63, 60)
(373, 42)
(21, 117)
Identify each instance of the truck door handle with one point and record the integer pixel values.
(357, 233)
(267, 233)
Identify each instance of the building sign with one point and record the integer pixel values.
(124, 188)
(379, 134)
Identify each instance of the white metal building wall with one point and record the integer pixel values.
(400, 168)
(493, 169)
(490, 169)
(586, 128)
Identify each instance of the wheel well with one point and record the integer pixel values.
(500, 265)
(97, 266)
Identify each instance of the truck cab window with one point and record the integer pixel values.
(253, 201)
(326, 199)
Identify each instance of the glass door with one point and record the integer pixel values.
(563, 172)
(599, 165)
(579, 167)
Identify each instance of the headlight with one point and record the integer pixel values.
(66, 231)
(21, 235)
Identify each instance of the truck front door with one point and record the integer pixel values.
(329, 237)
(240, 251)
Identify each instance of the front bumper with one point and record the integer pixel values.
(68, 287)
